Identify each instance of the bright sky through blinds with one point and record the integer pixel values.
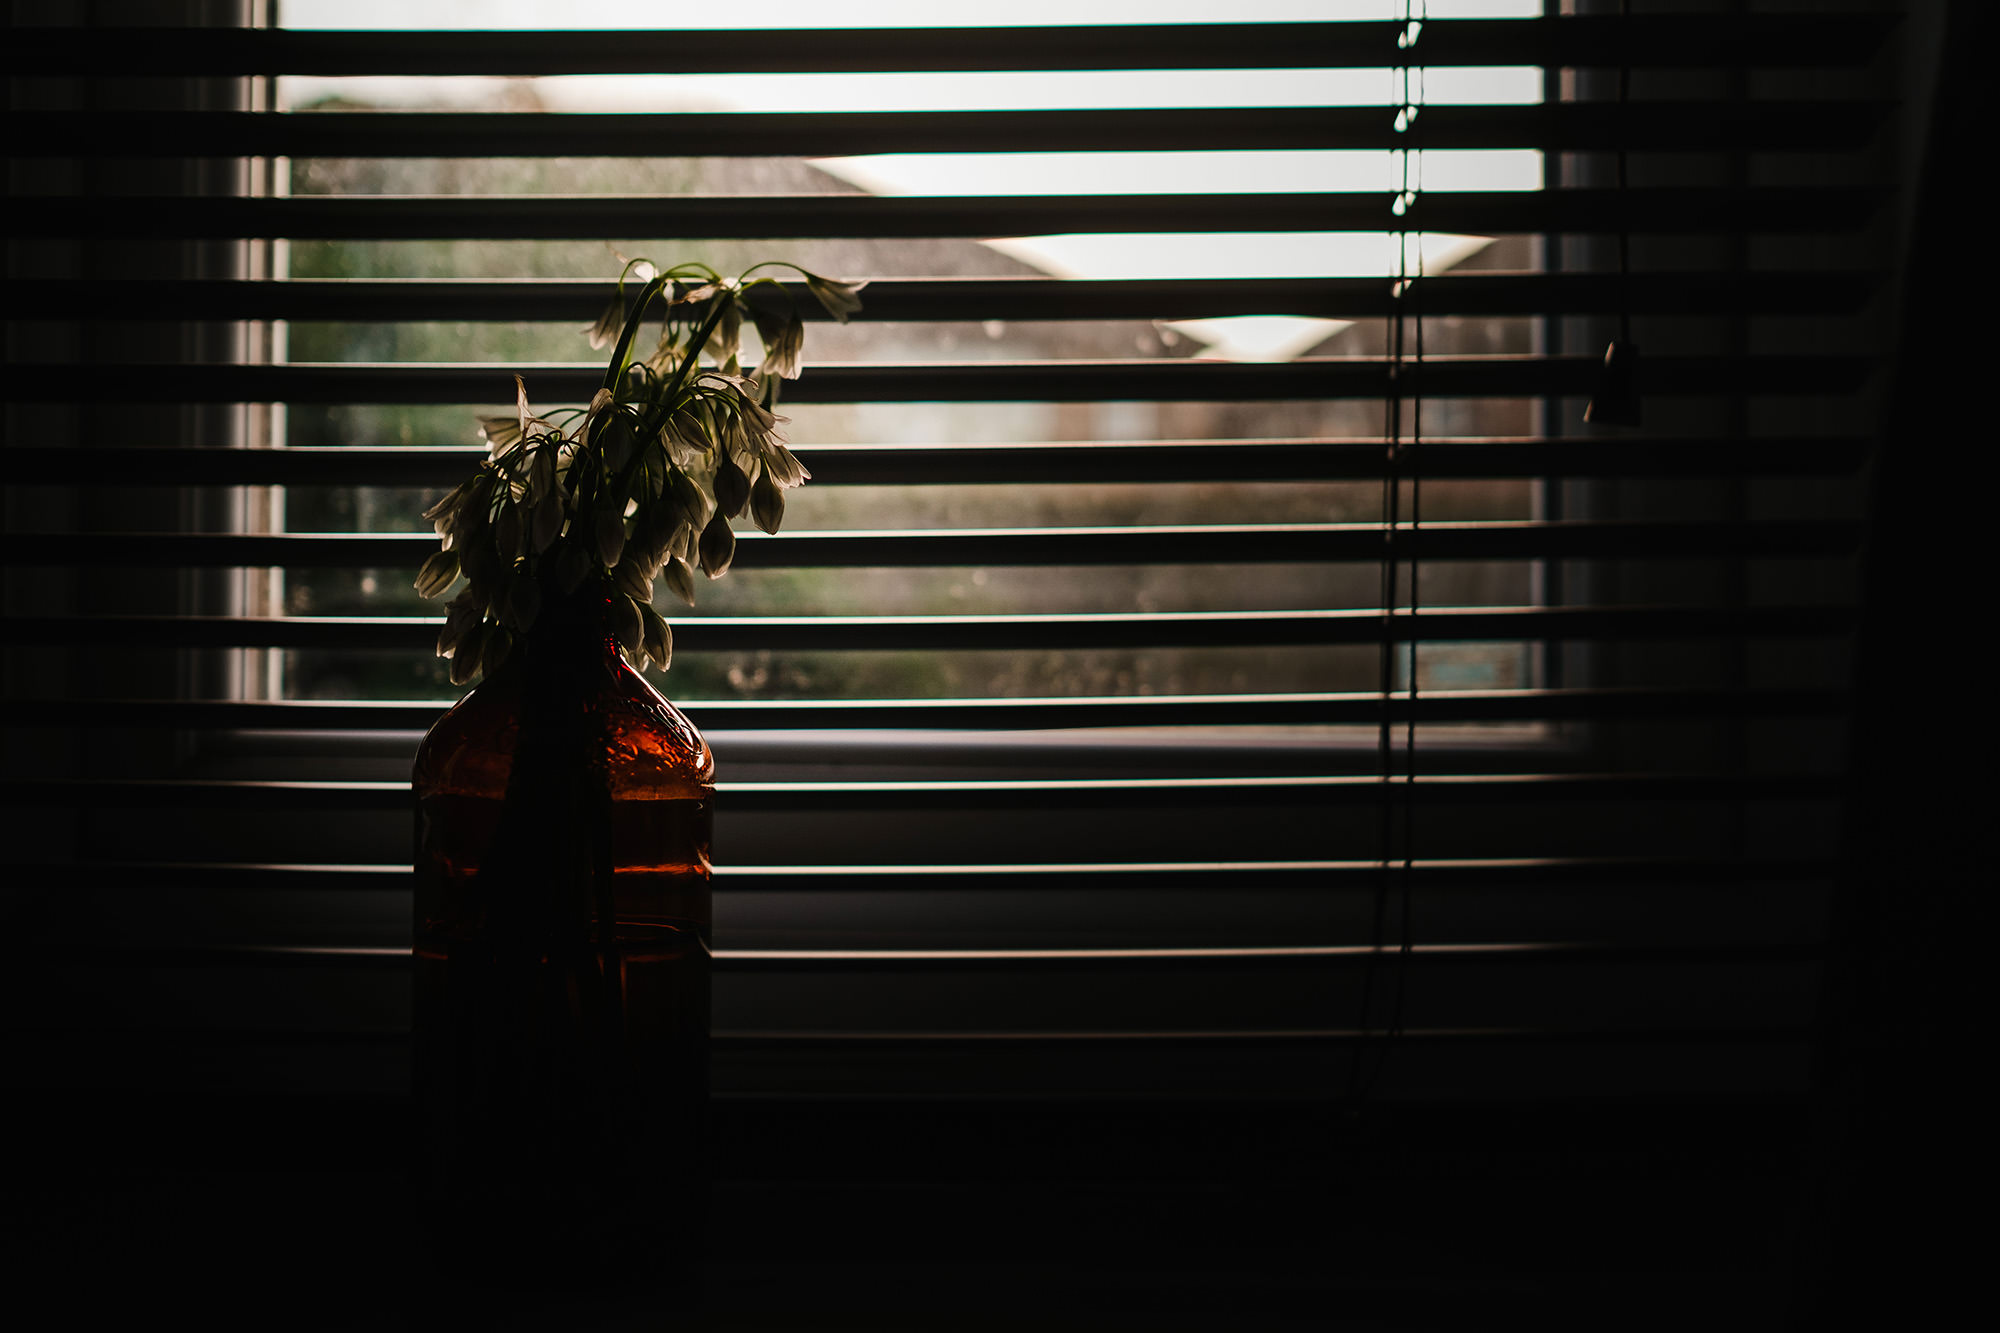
(1184, 255)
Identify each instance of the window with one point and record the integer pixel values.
(1140, 814)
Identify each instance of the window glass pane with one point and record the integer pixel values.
(1204, 580)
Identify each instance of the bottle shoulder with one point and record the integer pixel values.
(649, 748)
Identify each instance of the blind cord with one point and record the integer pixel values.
(1614, 399)
(1624, 199)
(1396, 824)
(1408, 804)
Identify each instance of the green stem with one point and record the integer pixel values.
(648, 427)
(624, 349)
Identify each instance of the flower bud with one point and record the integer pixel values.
(783, 465)
(460, 616)
(781, 355)
(679, 575)
(694, 503)
(718, 546)
(631, 579)
(442, 512)
(732, 487)
(659, 638)
(500, 432)
(631, 626)
(465, 660)
(609, 321)
(841, 299)
(767, 504)
(438, 573)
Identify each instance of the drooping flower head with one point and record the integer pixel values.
(639, 484)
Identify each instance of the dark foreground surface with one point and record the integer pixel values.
(295, 1213)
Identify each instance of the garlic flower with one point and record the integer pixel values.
(638, 485)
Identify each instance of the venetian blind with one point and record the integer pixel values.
(1182, 826)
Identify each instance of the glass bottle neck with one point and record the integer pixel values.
(570, 635)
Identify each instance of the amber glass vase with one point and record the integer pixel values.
(563, 811)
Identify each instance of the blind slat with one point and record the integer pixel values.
(1216, 629)
(890, 300)
(1302, 543)
(1550, 127)
(1692, 210)
(1159, 380)
(1353, 709)
(969, 962)
(974, 462)
(1539, 789)
(1606, 874)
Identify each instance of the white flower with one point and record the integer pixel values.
(782, 353)
(759, 421)
(600, 402)
(675, 449)
(442, 513)
(666, 357)
(687, 438)
(726, 342)
(524, 416)
(841, 299)
(609, 323)
(500, 432)
(783, 467)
